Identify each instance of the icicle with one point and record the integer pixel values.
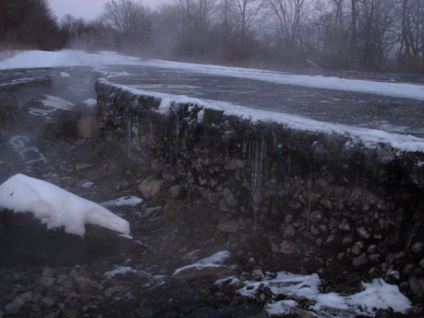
(309, 201)
(128, 135)
(244, 149)
(288, 162)
(257, 175)
(399, 219)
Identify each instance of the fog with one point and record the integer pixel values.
(89, 10)
(299, 35)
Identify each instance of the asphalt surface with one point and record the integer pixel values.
(395, 115)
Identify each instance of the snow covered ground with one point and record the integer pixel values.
(34, 59)
(375, 295)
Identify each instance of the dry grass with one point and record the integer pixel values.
(8, 50)
(6, 54)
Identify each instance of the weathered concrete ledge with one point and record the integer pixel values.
(326, 200)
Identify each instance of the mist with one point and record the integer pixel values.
(287, 35)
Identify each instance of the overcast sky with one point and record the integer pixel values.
(89, 9)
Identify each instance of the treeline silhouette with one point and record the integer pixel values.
(29, 24)
(370, 35)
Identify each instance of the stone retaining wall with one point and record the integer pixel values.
(325, 199)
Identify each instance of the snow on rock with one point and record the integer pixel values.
(119, 271)
(376, 295)
(281, 307)
(55, 102)
(214, 260)
(165, 106)
(56, 207)
(124, 201)
(379, 294)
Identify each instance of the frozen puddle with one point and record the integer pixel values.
(295, 288)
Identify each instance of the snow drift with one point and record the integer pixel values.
(66, 58)
(56, 207)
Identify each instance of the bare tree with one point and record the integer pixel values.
(130, 19)
(238, 22)
(330, 31)
(192, 23)
(291, 16)
(376, 33)
(411, 34)
(336, 34)
(250, 14)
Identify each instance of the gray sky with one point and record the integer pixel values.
(89, 9)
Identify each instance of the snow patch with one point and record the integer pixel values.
(165, 106)
(124, 201)
(90, 102)
(65, 75)
(119, 271)
(56, 102)
(282, 307)
(214, 260)
(56, 207)
(200, 116)
(376, 295)
(87, 184)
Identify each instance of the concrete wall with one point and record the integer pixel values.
(326, 201)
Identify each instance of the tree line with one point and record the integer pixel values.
(372, 35)
(28, 24)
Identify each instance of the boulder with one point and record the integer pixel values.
(177, 191)
(150, 187)
(87, 127)
(231, 226)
